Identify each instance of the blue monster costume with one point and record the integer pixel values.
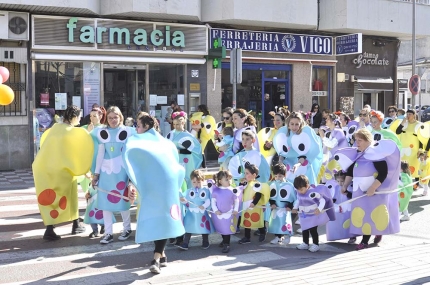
(190, 152)
(377, 214)
(93, 215)
(295, 146)
(113, 177)
(151, 162)
(196, 220)
(339, 228)
(237, 143)
(280, 219)
(236, 165)
(315, 197)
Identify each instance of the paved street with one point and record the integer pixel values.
(25, 258)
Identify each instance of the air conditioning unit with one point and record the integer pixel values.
(14, 26)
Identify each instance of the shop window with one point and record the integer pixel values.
(166, 81)
(17, 82)
(321, 87)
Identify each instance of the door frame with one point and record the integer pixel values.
(285, 81)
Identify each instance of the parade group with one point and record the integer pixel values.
(353, 175)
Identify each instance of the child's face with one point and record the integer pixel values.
(249, 176)
(225, 182)
(340, 181)
(422, 157)
(279, 177)
(303, 190)
(197, 183)
(128, 123)
(247, 142)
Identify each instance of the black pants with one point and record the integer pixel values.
(365, 239)
(313, 232)
(187, 237)
(248, 232)
(226, 239)
(160, 245)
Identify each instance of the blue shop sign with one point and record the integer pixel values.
(349, 44)
(259, 41)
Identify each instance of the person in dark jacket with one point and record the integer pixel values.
(315, 117)
(268, 107)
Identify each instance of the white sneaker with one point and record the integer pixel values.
(125, 235)
(297, 222)
(286, 240)
(302, 246)
(299, 231)
(405, 218)
(425, 193)
(108, 238)
(275, 240)
(314, 248)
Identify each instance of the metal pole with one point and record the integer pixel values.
(234, 97)
(413, 47)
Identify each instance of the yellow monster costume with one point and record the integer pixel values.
(206, 124)
(254, 219)
(65, 152)
(267, 134)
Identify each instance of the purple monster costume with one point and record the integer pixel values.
(314, 198)
(225, 197)
(377, 214)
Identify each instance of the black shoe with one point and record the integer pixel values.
(221, 244)
(51, 236)
(183, 246)
(262, 237)
(93, 235)
(226, 248)
(78, 230)
(245, 240)
(102, 230)
(257, 233)
(155, 267)
(172, 241)
(178, 242)
(163, 261)
(206, 245)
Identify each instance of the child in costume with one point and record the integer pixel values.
(406, 190)
(312, 202)
(282, 200)
(225, 204)
(424, 171)
(225, 147)
(197, 220)
(255, 196)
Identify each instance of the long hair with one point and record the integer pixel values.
(229, 111)
(204, 109)
(250, 120)
(102, 114)
(117, 111)
(71, 112)
(220, 175)
(295, 115)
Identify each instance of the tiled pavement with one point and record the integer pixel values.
(23, 178)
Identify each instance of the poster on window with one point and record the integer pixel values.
(44, 99)
(91, 82)
(60, 101)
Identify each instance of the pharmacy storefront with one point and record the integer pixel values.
(134, 65)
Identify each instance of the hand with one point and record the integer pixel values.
(403, 121)
(218, 213)
(223, 148)
(201, 207)
(95, 180)
(370, 192)
(288, 209)
(321, 132)
(87, 195)
(235, 212)
(132, 195)
(88, 175)
(295, 167)
(183, 200)
(317, 211)
(251, 205)
(294, 211)
(340, 209)
(343, 190)
(268, 144)
(273, 206)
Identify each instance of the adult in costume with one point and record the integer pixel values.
(226, 121)
(370, 164)
(392, 116)
(243, 121)
(109, 174)
(66, 152)
(300, 147)
(188, 147)
(265, 137)
(152, 163)
(378, 133)
(203, 127)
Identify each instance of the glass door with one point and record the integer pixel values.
(279, 96)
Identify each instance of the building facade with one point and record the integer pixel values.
(140, 55)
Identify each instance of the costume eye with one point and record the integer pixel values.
(284, 193)
(257, 187)
(273, 190)
(301, 143)
(192, 194)
(235, 166)
(169, 136)
(103, 136)
(352, 130)
(314, 195)
(327, 134)
(207, 127)
(280, 142)
(187, 143)
(202, 195)
(236, 192)
(122, 136)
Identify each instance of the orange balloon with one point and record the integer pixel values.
(6, 95)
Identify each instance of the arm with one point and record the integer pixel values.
(206, 204)
(99, 159)
(236, 204)
(348, 178)
(382, 169)
(256, 198)
(321, 204)
(213, 204)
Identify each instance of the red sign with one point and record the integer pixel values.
(414, 84)
(44, 99)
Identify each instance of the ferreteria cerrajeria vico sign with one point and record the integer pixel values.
(117, 35)
(96, 34)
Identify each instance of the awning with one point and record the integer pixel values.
(115, 58)
(374, 84)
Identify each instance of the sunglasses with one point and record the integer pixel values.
(362, 115)
(391, 111)
(226, 118)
